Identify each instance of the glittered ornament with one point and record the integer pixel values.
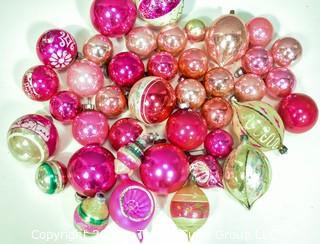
(163, 64)
(57, 49)
(219, 82)
(51, 177)
(193, 63)
(249, 87)
(246, 174)
(32, 138)
(195, 30)
(257, 60)
(286, 51)
(260, 31)
(218, 143)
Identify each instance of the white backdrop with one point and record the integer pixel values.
(288, 213)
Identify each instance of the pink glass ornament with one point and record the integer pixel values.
(193, 63)
(299, 112)
(260, 31)
(286, 51)
(280, 82)
(142, 41)
(64, 106)
(131, 206)
(40, 83)
(249, 87)
(164, 168)
(113, 18)
(164, 65)
(90, 127)
(219, 82)
(124, 131)
(91, 170)
(125, 69)
(57, 49)
(85, 78)
(257, 60)
(186, 129)
(218, 143)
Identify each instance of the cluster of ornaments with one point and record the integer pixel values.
(221, 83)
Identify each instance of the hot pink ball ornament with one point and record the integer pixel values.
(57, 49)
(164, 65)
(164, 169)
(218, 143)
(286, 51)
(90, 127)
(113, 18)
(91, 170)
(40, 83)
(257, 60)
(260, 31)
(125, 69)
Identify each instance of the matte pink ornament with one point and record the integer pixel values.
(164, 65)
(260, 31)
(257, 60)
(193, 63)
(218, 143)
(249, 87)
(286, 51)
(57, 49)
(40, 83)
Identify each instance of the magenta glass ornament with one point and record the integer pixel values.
(90, 127)
(286, 51)
(40, 83)
(257, 60)
(299, 112)
(186, 129)
(131, 206)
(218, 143)
(91, 170)
(124, 131)
(57, 49)
(280, 82)
(85, 78)
(260, 31)
(164, 168)
(164, 65)
(64, 106)
(113, 18)
(125, 69)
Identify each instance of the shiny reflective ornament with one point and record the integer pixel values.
(164, 169)
(91, 215)
(113, 18)
(218, 143)
(260, 31)
(131, 206)
(249, 87)
(227, 40)
(286, 51)
(32, 138)
(257, 60)
(98, 49)
(124, 131)
(261, 123)
(246, 174)
(217, 112)
(151, 100)
(111, 101)
(219, 82)
(91, 170)
(85, 78)
(164, 65)
(51, 177)
(299, 112)
(142, 41)
(57, 49)
(190, 93)
(196, 30)
(125, 69)
(280, 82)
(193, 63)
(40, 83)
(172, 39)
(160, 12)
(186, 129)
(189, 208)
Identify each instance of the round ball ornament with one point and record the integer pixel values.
(196, 30)
(163, 64)
(218, 143)
(286, 51)
(193, 63)
(260, 31)
(249, 87)
(219, 82)
(257, 60)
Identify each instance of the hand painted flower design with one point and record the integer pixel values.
(60, 59)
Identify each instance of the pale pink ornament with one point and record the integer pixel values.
(286, 51)
(249, 87)
(260, 31)
(257, 60)
(193, 63)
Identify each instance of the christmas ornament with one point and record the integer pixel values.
(164, 65)
(260, 31)
(195, 30)
(193, 63)
(164, 168)
(91, 170)
(57, 49)
(218, 143)
(151, 100)
(125, 69)
(32, 138)
(160, 12)
(113, 18)
(40, 83)
(51, 177)
(249, 87)
(286, 51)
(246, 174)
(299, 112)
(219, 82)
(257, 60)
